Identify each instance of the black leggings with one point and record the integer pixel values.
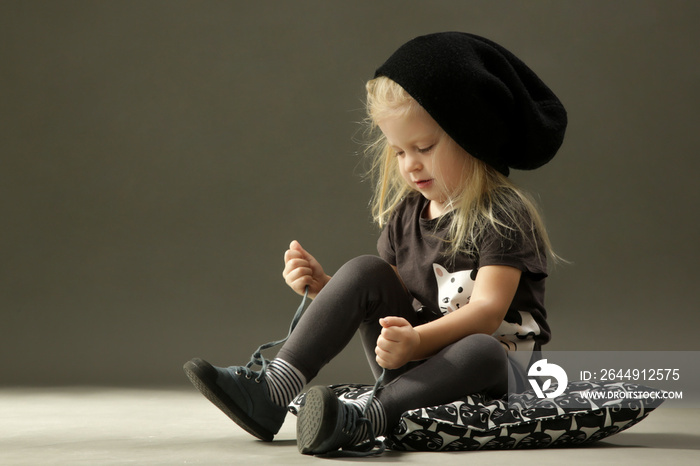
(359, 294)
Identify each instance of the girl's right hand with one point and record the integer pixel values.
(301, 269)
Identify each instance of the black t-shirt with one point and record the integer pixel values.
(441, 284)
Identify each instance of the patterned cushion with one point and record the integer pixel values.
(476, 422)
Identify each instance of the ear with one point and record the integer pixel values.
(440, 271)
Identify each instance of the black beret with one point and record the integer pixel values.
(484, 97)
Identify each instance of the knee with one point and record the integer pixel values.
(485, 341)
(491, 345)
(366, 268)
(489, 350)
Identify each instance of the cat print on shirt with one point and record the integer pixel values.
(454, 289)
(520, 332)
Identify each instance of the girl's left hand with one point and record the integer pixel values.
(397, 342)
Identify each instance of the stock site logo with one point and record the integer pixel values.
(541, 370)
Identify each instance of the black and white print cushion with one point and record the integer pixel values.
(476, 422)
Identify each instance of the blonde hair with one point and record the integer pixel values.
(487, 199)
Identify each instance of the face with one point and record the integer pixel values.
(429, 160)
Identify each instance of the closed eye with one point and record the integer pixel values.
(425, 150)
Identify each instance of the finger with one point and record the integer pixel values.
(393, 334)
(386, 363)
(393, 321)
(296, 274)
(381, 362)
(292, 254)
(297, 262)
(301, 283)
(383, 345)
(381, 355)
(296, 246)
(296, 265)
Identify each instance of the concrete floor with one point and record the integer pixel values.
(165, 427)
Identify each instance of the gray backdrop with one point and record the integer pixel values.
(156, 159)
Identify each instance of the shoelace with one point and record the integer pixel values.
(257, 359)
(352, 420)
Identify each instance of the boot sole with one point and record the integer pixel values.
(316, 422)
(203, 377)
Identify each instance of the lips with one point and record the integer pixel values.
(423, 184)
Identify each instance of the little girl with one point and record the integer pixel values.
(454, 304)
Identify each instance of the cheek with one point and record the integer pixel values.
(401, 168)
(457, 176)
(453, 174)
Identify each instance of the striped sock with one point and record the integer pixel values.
(376, 416)
(284, 381)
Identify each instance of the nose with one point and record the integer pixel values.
(412, 162)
